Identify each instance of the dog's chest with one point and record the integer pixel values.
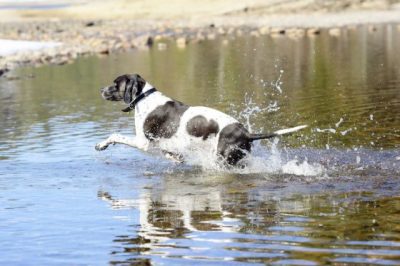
(144, 108)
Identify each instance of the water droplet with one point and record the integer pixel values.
(340, 121)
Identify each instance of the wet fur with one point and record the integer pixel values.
(169, 124)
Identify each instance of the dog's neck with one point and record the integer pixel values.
(146, 91)
(151, 101)
(147, 87)
(147, 105)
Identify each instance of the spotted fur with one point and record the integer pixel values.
(175, 127)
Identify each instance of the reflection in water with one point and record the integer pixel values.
(247, 218)
(329, 195)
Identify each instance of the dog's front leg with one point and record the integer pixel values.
(119, 139)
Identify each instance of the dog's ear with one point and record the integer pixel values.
(120, 84)
(138, 84)
(130, 86)
(129, 91)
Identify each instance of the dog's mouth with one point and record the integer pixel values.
(108, 97)
(110, 94)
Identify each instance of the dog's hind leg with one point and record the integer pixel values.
(119, 139)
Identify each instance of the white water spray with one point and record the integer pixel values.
(263, 159)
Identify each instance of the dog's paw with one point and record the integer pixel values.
(175, 157)
(101, 146)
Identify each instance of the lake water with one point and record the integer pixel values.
(326, 195)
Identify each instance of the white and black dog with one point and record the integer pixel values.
(177, 128)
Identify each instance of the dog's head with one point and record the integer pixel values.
(125, 87)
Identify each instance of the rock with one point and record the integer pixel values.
(313, 31)
(211, 36)
(112, 43)
(352, 27)
(181, 42)
(199, 37)
(161, 46)
(335, 32)
(158, 37)
(118, 46)
(126, 45)
(150, 41)
(277, 31)
(295, 33)
(44, 59)
(89, 24)
(254, 33)
(62, 60)
(104, 51)
(3, 71)
(264, 30)
(372, 28)
(35, 56)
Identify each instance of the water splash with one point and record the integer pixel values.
(278, 83)
(339, 122)
(251, 109)
(325, 130)
(263, 159)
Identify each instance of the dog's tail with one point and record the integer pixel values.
(276, 133)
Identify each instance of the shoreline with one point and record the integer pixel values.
(90, 37)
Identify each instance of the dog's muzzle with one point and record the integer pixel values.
(109, 93)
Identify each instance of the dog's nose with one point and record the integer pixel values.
(102, 90)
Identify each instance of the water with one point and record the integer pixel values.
(32, 5)
(329, 194)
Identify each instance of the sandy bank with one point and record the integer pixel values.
(9, 47)
(181, 9)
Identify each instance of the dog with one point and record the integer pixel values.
(178, 129)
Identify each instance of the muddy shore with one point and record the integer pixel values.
(104, 36)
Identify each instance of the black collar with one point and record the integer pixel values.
(138, 99)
